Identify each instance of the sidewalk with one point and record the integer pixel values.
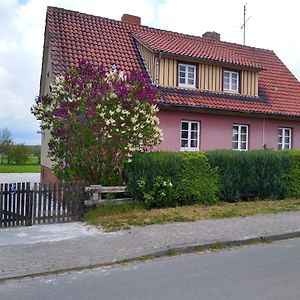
(26, 257)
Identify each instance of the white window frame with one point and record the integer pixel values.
(286, 132)
(186, 84)
(239, 140)
(231, 89)
(189, 138)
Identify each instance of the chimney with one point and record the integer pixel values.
(131, 19)
(212, 35)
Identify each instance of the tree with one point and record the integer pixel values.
(96, 121)
(36, 151)
(19, 153)
(5, 136)
(5, 143)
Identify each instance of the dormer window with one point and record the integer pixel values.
(230, 81)
(186, 75)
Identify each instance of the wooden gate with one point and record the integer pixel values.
(22, 204)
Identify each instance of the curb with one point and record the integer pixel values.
(171, 251)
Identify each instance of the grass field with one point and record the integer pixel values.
(123, 216)
(20, 169)
(32, 166)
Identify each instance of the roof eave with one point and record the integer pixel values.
(207, 60)
(181, 107)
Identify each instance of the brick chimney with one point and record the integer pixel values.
(212, 35)
(131, 19)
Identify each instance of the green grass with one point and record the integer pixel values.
(127, 215)
(20, 169)
(31, 166)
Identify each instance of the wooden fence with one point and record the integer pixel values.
(24, 204)
(96, 192)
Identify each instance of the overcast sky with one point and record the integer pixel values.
(272, 25)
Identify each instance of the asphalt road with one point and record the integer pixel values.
(269, 271)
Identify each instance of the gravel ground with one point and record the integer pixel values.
(19, 177)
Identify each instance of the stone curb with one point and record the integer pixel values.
(181, 249)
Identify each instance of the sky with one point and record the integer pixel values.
(271, 25)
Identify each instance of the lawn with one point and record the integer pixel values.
(32, 166)
(124, 216)
(20, 168)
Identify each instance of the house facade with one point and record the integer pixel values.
(213, 94)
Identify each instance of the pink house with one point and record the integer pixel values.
(213, 94)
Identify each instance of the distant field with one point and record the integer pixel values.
(31, 166)
(20, 169)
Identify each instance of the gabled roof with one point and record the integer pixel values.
(198, 47)
(75, 35)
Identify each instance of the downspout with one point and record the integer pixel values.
(263, 134)
(157, 69)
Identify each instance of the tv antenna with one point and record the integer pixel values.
(243, 27)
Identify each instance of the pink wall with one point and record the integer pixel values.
(216, 130)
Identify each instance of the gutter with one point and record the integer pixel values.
(167, 106)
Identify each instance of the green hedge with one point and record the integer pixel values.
(161, 179)
(254, 174)
(293, 174)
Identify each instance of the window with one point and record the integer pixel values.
(284, 138)
(231, 81)
(189, 135)
(240, 137)
(187, 75)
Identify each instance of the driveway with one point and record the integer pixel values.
(45, 233)
(19, 177)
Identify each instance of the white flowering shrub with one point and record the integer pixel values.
(97, 120)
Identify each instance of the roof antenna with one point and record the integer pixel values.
(244, 25)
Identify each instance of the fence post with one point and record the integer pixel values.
(1, 205)
(81, 199)
(29, 203)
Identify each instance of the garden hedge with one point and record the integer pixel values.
(161, 179)
(293, 174)
(251, 175)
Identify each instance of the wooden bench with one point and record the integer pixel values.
(96, 192)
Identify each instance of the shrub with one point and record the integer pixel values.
(254, 174)
(199, 183)
(161, 179)
(160, 195)
(145, 167)
(293, 174)
(96, 121)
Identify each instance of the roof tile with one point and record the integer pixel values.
(75, 35)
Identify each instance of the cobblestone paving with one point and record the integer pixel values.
(99, 248)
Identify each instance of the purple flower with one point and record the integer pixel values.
(61, 113)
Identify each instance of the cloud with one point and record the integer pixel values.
(22, 26)
(272, 25)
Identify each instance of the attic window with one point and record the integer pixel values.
(230, 81)
(186, 75)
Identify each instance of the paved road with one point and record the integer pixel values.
(268, 272)
(81, 251)
(19, 177)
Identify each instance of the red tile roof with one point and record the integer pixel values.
(198, 47)
(75, 35)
